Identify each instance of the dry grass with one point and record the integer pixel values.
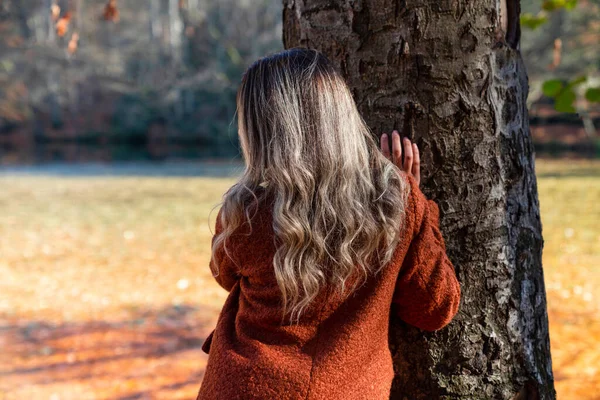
(569, 194)
(105, 290)
(106, 294)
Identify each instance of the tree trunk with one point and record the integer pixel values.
(155, 22)
(22, 15)
(446, 75)
(78, 23)
(50, 29)
(175, 31)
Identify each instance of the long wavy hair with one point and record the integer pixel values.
(338, 202)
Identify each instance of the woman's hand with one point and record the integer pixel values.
(412, 161)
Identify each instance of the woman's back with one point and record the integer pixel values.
(339, 347)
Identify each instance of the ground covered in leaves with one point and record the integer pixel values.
(106, 292)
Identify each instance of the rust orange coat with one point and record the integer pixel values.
(340, 348)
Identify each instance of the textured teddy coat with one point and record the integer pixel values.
(340, 348)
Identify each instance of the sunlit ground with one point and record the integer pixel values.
(569, 194)
(105, 291)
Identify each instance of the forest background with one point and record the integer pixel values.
(87, 80)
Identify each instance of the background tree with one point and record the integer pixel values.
(447, 75)
(569, 72)
(98, 72)
(125, 72)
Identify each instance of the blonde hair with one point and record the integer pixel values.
(337, 201)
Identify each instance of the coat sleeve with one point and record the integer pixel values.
(427, 292)
(207, 342)
(227, 274)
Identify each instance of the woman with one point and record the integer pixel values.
(320, 241)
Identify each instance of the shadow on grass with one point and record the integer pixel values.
(151, 351)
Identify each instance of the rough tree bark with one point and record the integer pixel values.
(445, 74)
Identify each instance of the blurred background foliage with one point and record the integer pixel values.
(98, 80)
(571, 28)
(560, 44)
(160, 75)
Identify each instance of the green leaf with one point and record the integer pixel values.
(552, 5)
(564, 101)
(578, 81)
(570, 4)
(593, 95)
(552, 87)
(214, 32)
(7, 65)
(531, 21)
(234, 55)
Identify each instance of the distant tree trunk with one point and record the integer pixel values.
(72, 78)
(175, 30)
(78, 7)
(155, 22)
(50, 29)
(446, 75)
(186, 15)
(23, 19)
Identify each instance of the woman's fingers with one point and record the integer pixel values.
(416, 167)
(412, 158)
(385, 146)
(396, 149)
(408, 156)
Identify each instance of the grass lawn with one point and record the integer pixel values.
(106, 292)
